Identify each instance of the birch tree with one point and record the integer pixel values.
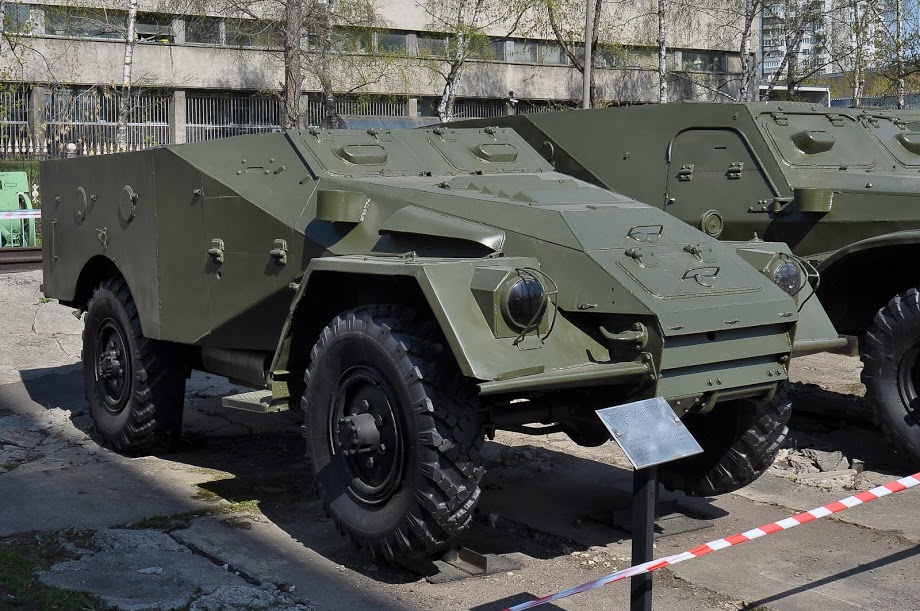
(466, 25)
(124, 95)
(330, 42)
(795, 19)
(662, 51)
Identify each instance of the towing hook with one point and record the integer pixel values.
(638, 336)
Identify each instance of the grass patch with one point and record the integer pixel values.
(20, 557)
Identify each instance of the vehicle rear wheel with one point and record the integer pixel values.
(740, 440)
(392, 431)
(890, 352)
(134, 386)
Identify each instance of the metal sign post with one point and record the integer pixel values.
(650, 434)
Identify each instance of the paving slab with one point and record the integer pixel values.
(35, 334)
(896, 513)
(266, 552)
(824, 564)
(141, 570)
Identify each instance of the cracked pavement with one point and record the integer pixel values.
(230, 519)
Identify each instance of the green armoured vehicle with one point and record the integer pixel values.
(839, 186)
(418, 289)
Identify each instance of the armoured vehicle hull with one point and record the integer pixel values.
(839, 186)
(413, 290)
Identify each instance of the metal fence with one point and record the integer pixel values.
(89, 118)
(479, 109)
(316, 109)
(911, 102)
(209, 116)
(15, 138)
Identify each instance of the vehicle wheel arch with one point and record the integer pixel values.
(329, 293)
(96, 270)
(851, 306)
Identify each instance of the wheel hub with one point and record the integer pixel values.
(365, 430)
(112, 366)
(360, 433)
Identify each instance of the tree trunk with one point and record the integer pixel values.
(567, 48)
(293, 75)
(330, 107)
(899, 50)
(747, 65)
(466, 22)
(859, 58)
(2, 24)
(124, 97)
(662, 52)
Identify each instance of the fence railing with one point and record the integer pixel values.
(15, 137)
(911, 101)
(316, 109)
(89, 119)
(209, 116)
(478, 109)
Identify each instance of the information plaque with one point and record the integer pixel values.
(649, 432)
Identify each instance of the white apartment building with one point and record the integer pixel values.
(780, 21)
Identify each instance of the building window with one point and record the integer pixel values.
(492, 50)
(253, 33)
(202, 30)
(84, 22)
(537, 52)
(393, 43)
(354, 40)
(18, 19)
(704, 61)
(432, 47)
(154, 27)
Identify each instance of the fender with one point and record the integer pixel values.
(463, 297)
(814, 331)
(911, 237)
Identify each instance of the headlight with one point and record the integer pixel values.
(524, 303)
(788, 276)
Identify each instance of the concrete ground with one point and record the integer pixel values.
(231, 520)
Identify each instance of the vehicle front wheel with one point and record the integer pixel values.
(890, 352)
(740, 440)
(393, 432)
(134, 386)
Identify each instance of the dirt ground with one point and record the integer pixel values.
(230, 520)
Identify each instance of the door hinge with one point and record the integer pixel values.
(685, 173)
(734, 170)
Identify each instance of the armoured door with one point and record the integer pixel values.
(715, 183)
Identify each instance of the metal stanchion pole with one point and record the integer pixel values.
(645, 498)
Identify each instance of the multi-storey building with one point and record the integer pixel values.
(203, 75)
(783, 22)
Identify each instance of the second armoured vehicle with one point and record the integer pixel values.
(416, 290)
(839, 186)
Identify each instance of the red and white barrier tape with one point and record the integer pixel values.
(21, 214)
(707, 548)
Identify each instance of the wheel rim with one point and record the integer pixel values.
(909, 380)
(113, 366)
(365, 434)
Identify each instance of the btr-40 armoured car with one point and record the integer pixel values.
(414, 291)
(839, 186)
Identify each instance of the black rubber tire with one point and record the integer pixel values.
(432, 499)
(150, 404)
(890, 352)
(740, 440)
